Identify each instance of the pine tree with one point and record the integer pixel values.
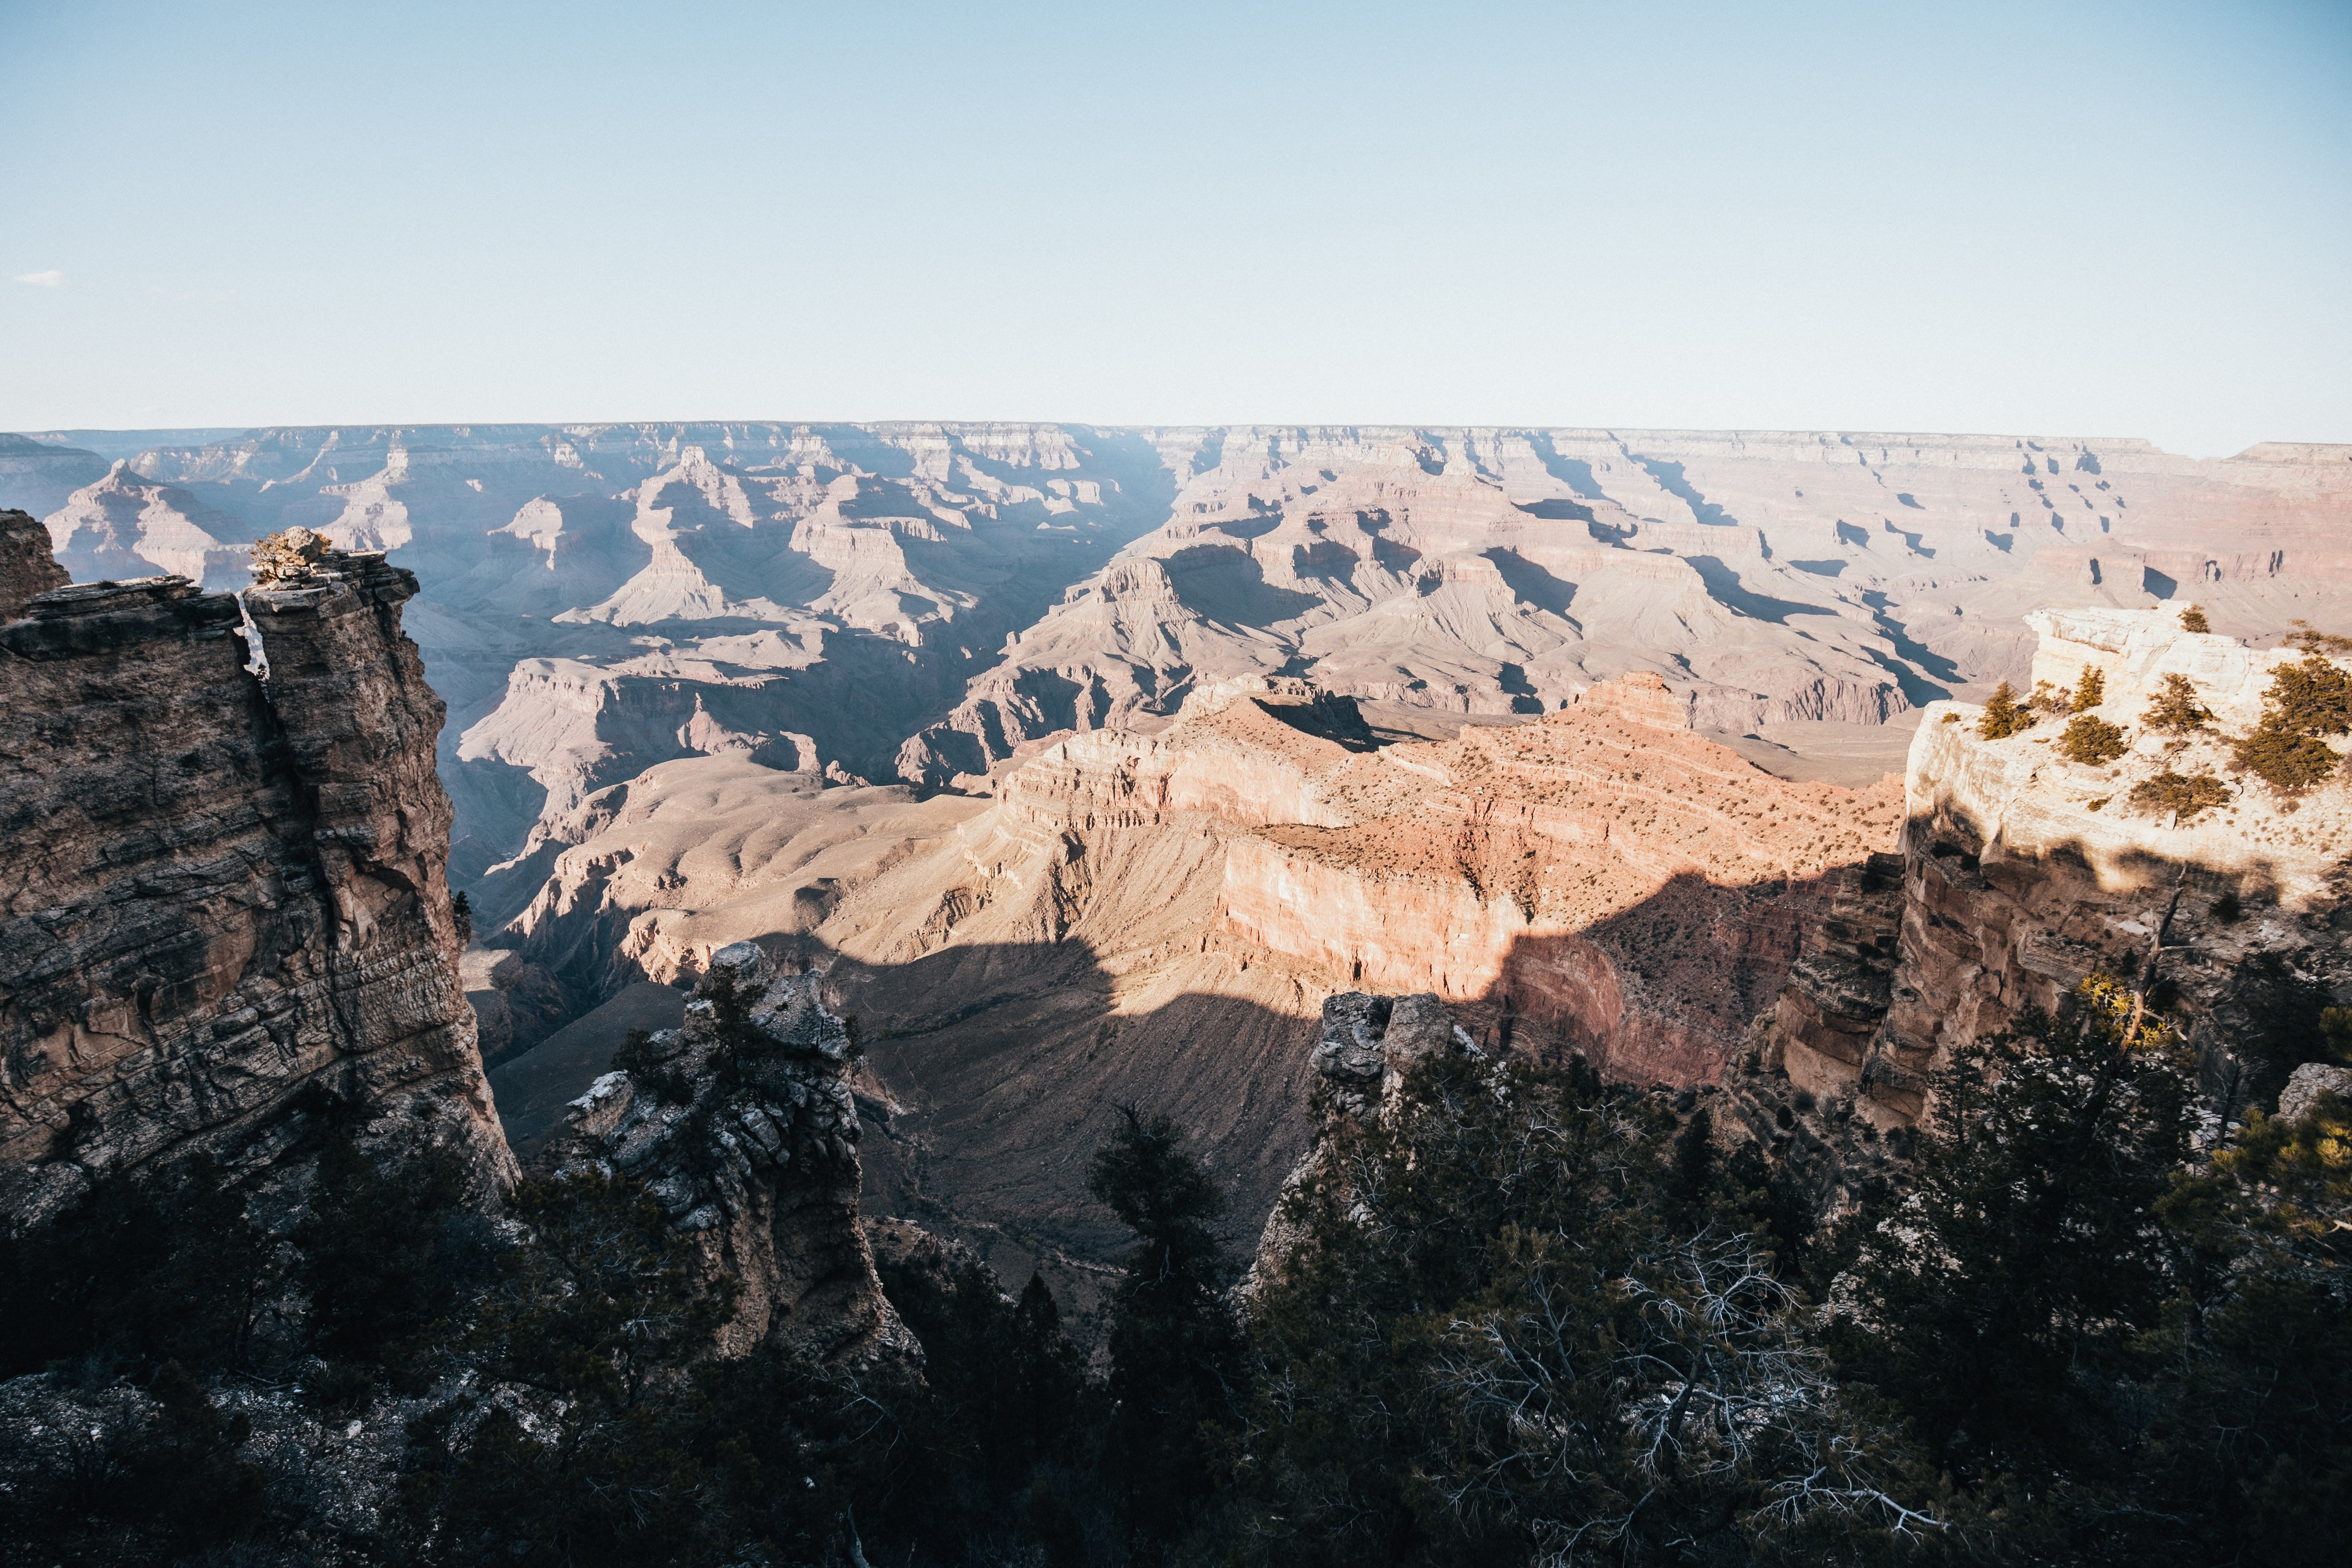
(2091, 689)
(2092, 739)
(2002, 716)
(1178, 1367)
(2176, 710)
(2192, 619)
(1998, 1300)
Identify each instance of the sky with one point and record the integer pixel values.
(2057, 218)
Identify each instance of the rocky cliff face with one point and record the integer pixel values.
(26, 567)
(2022, 873)
(223, 896)
(743, 1126)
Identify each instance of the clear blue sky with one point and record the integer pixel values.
(2118, 219)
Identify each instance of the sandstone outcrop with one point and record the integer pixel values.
(1161, 916)
(223, 896)
(27, 566)
(2022, 873)
(741, 1124)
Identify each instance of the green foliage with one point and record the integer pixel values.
(2178, 793)
(1178, 1358)
(1490, 1344)
(2305, 700)
(2091, 690)
(387, 1254)
(2022, 1259)
(651, 1071)
(186, 1467)
(2091, 740)
(2049, 702)
(2289, 762)
(2002, 716)
(138, 1273)
(461, 908)
(2279, 1020)
(2312, 698)
(2119, 1354)
(2176, 710)
(2192, 619)
(604, 1299)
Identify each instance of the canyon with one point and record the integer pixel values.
(1597, 737)
(918, 602)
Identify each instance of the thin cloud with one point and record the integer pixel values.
(49, 280)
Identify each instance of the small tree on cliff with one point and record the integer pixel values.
(2092, 739)
(2091, 690)
(2004, 715)
(2305, 701)
(2192, 619)
(2176, 710)
(1998, 1299)
(1178, 1365)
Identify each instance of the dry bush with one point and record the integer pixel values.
(2180, 794)
(2176, 710)
(2092, 741)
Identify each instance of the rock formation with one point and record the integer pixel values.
(741, 1124)
(1368, 1044)
(1161, 917)
(924, 601)
(228, 928)
(2022, 873)
(224, 895)
(27, 566)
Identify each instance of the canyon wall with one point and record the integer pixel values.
(225, 905)
(225, 929)
(2022, 873)
(923, 601)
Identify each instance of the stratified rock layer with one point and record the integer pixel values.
(26, 567)
(222, 898)
(2024, 873)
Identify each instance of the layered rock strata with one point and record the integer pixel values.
(2024, 873)
(741, 1124)
(223, 902)
(27, 566)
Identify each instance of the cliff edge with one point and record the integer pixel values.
(224, 912)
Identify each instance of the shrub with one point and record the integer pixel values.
(2050, 700)
(2287, 762)
(1951, 718)
(2180, 794)
(2312, 640)
(288, 557)
(2002, 716)
(2313, 698)
(2092, 741)
(2176, 710)
(2093, 689)
(2192, 619)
